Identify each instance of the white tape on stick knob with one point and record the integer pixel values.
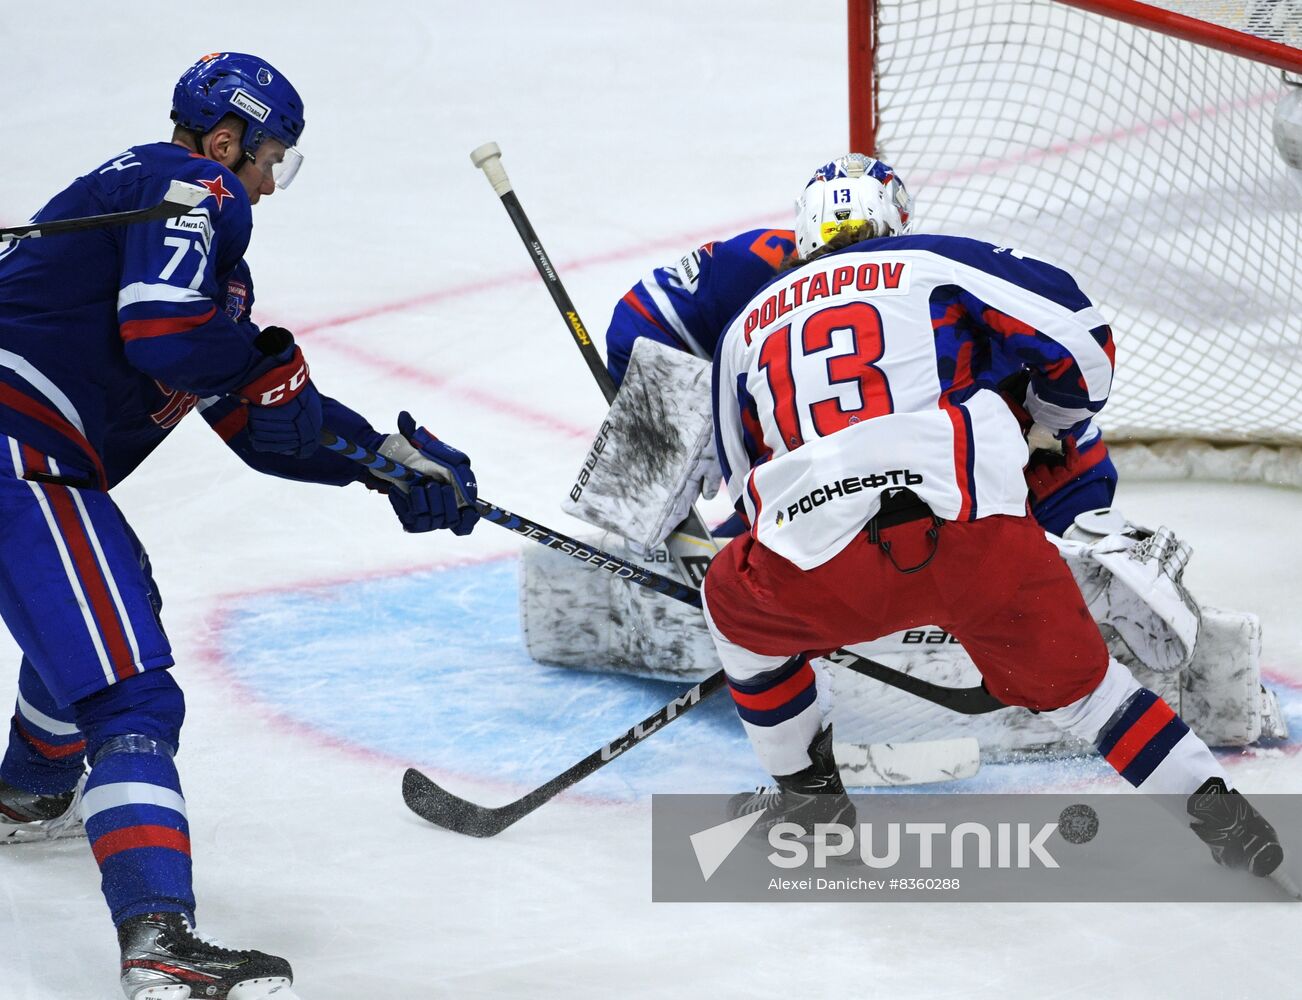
(488, 158)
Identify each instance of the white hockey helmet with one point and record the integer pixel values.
(853, 193)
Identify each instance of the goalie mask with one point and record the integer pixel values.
(855, 194)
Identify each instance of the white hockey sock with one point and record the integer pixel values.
(777, 700)
(1140, 735)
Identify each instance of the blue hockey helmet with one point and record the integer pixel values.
(223, 83)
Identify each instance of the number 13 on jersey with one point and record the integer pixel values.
(806, 366)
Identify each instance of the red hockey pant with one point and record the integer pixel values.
(996, 584)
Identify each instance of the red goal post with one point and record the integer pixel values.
(1131, 144)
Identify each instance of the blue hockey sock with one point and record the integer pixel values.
(136, 821)
(46, 752)
(133, 808)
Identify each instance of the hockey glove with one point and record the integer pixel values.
(284, 406)
(445, 497)
(1041, 438)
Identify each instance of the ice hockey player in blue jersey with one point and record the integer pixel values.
(688, 305)
(108, 338)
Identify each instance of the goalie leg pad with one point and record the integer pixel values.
(577, 616)
(654, 454)
(1221, 693)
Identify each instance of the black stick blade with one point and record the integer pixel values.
(440, 807)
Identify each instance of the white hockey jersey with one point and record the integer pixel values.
(876, 367)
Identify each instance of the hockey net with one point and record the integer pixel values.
(1141, 162)
(1138, 156)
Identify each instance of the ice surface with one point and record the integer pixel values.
(322, 650)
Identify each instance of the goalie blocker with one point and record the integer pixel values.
(654, 454)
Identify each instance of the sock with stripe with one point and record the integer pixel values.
(136, 822)
(132, 806)
(1140, 735)
(780, 713)
(46, 752)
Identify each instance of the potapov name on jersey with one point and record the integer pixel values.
(886, 277)
(820, 495)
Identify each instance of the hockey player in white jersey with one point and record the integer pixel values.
(1131, 577)
(879, 472)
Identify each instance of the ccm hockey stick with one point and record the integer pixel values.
(691, 545)
(438, 806)
(181, 197)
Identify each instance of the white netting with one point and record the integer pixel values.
(1142, 164)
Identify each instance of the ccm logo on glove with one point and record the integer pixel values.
(279, 385)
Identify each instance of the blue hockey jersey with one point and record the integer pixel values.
(688, 304)
(109, 337)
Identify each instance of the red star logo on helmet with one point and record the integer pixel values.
(217, 189)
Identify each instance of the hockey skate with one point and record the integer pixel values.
(163, 959)
(27, 816)
(1239, 837)
(814, 795)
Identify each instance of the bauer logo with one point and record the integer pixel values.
(953, 848)
(250, 105)
(590, 461)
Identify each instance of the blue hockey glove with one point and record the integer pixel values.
(445, 497)
(284, 406)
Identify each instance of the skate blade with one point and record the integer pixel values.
(274, 988)
(29, 834)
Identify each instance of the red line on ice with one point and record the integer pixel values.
(318, 330)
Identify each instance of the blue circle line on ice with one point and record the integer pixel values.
(429, 667)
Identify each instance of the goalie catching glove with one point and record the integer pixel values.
(1132, 580)
(445, 496)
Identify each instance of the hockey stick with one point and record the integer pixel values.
(431, 802)
(488, 158)
(965, 701)
(691, 545)
(692, 533)
(875, 765)
(436, 805)
(181, 197)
